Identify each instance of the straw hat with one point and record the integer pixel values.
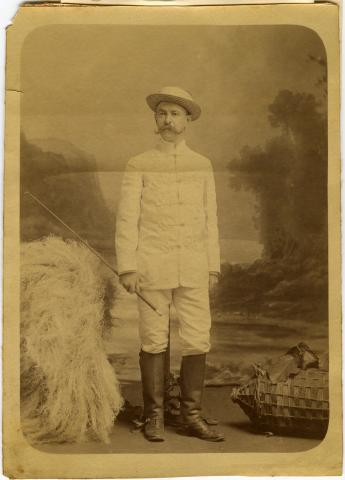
(175, 95)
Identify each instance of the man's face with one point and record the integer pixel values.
(171, 120)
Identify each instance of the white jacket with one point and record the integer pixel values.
(166, 225)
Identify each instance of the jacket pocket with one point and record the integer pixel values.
(160, 195)
(192, 192)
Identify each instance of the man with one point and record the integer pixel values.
(167, 248)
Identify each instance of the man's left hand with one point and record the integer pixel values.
(212, 283)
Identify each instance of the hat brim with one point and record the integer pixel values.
(192, 108)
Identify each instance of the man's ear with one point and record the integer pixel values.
(189, 117)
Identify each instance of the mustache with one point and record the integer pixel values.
(166, 127)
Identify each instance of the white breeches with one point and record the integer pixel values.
(193, 313)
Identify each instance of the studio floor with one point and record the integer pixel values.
(234, 424)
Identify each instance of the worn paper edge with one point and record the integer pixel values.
(23, 461)
(171, 3)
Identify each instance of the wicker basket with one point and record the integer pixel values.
(298, 405)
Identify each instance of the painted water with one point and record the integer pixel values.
(238, 340)
(240, 337)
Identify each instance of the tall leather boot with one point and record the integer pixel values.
(152, 377)
(192, 386)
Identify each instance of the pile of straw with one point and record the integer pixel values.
(69, 391)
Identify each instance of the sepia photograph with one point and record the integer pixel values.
(174, 239)
(212, 190)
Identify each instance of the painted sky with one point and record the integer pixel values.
(87, 85)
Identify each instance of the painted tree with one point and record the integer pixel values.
(289, 177)
(71, 189)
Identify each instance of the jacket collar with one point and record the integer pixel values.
(172, 149)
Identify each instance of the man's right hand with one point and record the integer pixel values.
(130, 281)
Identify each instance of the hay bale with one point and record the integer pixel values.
(69, 391)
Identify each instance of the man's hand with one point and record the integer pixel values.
(213, 281)
(212, 284)
(130, 281)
